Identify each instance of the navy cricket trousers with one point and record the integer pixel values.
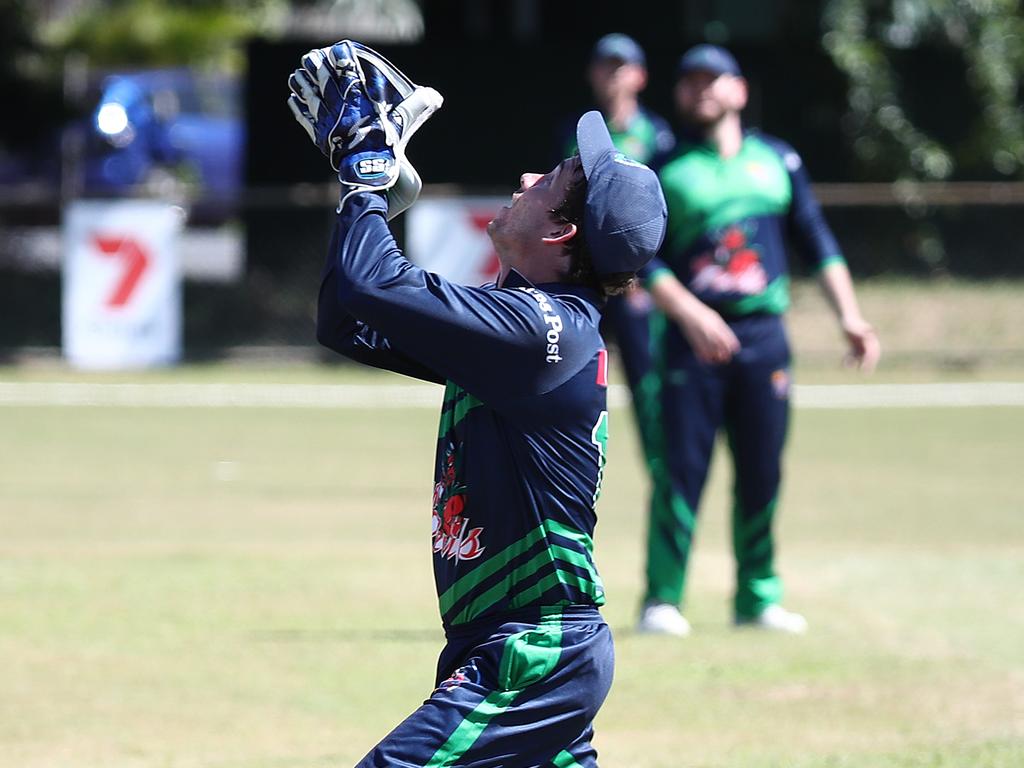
(748, 398)
(518, 693)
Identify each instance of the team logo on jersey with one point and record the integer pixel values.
(452, 536)
(780, 383)
(733, 266)
(761, 172)
(465, 674)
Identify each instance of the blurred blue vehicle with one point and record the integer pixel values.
(161, 131)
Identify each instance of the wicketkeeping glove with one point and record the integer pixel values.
(361, 111)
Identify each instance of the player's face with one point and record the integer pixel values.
(704, 98)
(528, 214)
(611, 79)
(523, 230)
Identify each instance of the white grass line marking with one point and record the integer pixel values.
(221, 395)
(833, 396)
(967, 395)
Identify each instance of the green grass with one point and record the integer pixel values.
(251, 588)
(958, 324)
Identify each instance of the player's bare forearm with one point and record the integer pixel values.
(837, 285)
(708, 334)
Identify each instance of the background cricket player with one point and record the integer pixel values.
(734, 199)
(617, 75)
(521, 445)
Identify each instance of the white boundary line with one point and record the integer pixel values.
(86, 394)
(967, 395)
(220, 395)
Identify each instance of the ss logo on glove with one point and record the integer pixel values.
(372, 167)
(361, 111)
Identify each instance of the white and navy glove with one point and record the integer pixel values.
(361, 111)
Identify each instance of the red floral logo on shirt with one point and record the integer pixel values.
(780, 383)
(733, 266)
(452, 536)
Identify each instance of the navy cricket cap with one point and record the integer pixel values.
(708, 58)
(625, 215)
(619, 46)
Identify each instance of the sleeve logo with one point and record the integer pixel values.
(552, 320)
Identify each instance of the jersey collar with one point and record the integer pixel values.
(516, 280)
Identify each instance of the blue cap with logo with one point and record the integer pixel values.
(708, 58)
(619, 46)
(625, 215)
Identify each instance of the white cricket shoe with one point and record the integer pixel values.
(776, 618)
(662, 619)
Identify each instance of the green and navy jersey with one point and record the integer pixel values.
(648, 138)
(524, 423)
(730, 219)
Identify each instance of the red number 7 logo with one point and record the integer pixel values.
(134, 261)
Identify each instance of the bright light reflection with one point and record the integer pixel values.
(112, 119)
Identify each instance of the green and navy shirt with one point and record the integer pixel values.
(648, 138)
(729, 220)
(524, 424)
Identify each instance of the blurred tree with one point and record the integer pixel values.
(880, 46)
(29, 82)
(934, 94)
(137, 33)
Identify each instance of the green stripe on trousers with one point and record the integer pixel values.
(471, 727)
(526, 659)
(565, 760)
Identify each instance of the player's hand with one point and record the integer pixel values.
(329, 101)
(710, 337)
(361, 111)
(865, 349)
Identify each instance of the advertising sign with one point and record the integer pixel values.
(449, 236)
(122, 284)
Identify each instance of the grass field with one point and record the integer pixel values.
(250, 588)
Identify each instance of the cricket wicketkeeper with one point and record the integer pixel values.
(524, 426)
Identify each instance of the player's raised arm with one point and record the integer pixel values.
(337, 329)
(492, 342)
(534, 331)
